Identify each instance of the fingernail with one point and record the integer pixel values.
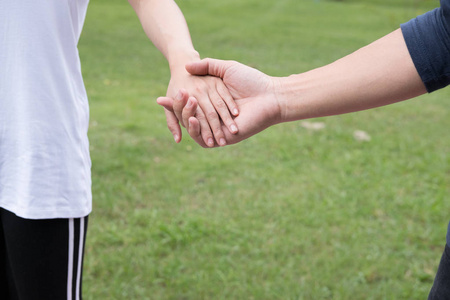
(175, 137)
(179, 96)
(233, 128)
(189, 103)
(222, 142)
(210, 142)
(235, 111)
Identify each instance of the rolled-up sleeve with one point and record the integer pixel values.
(428, 40)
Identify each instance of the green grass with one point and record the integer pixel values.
(288, 214)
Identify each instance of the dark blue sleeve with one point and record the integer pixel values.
(428, 40)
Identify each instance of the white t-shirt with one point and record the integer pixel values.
(44, 114)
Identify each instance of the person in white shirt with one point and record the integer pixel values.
(45, 179)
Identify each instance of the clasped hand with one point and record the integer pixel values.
(233, 89)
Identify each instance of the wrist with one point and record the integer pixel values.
(179, 59)
(301, 97)
(286, 94)
(276, 88)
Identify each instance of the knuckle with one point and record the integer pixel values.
(200, 117)
(171, 127)
(220, 104)
(198, 89)
(218, 132)
(212, 115)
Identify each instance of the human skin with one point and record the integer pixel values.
(378, 74)
(164, 24)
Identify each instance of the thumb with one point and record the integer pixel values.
(209, 66)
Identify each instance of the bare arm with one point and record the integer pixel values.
(378, 74)
(164, 24)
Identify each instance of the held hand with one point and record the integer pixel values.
(242, 81)
(253, 91)
(214, 101)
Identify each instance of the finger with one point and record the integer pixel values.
(209, 66)
(223, 92)
(189, 111)
(173, 125)
(213, 118)
(205, 130)
(221, 108)
(178, 104)
(194, 131)
(165, 102)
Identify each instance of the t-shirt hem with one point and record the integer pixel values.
(48, 213)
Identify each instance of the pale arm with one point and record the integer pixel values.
(164, 24)
(378, 74)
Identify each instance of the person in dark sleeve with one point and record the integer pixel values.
(406, 63)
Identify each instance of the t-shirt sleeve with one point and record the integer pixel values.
(428, 40)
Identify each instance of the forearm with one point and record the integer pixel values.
(378, 74)
(164, 24)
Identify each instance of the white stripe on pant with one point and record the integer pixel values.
(79, 262)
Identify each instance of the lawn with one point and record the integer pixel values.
(292, 213)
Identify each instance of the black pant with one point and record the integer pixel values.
(41, 259)
(441, 285)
